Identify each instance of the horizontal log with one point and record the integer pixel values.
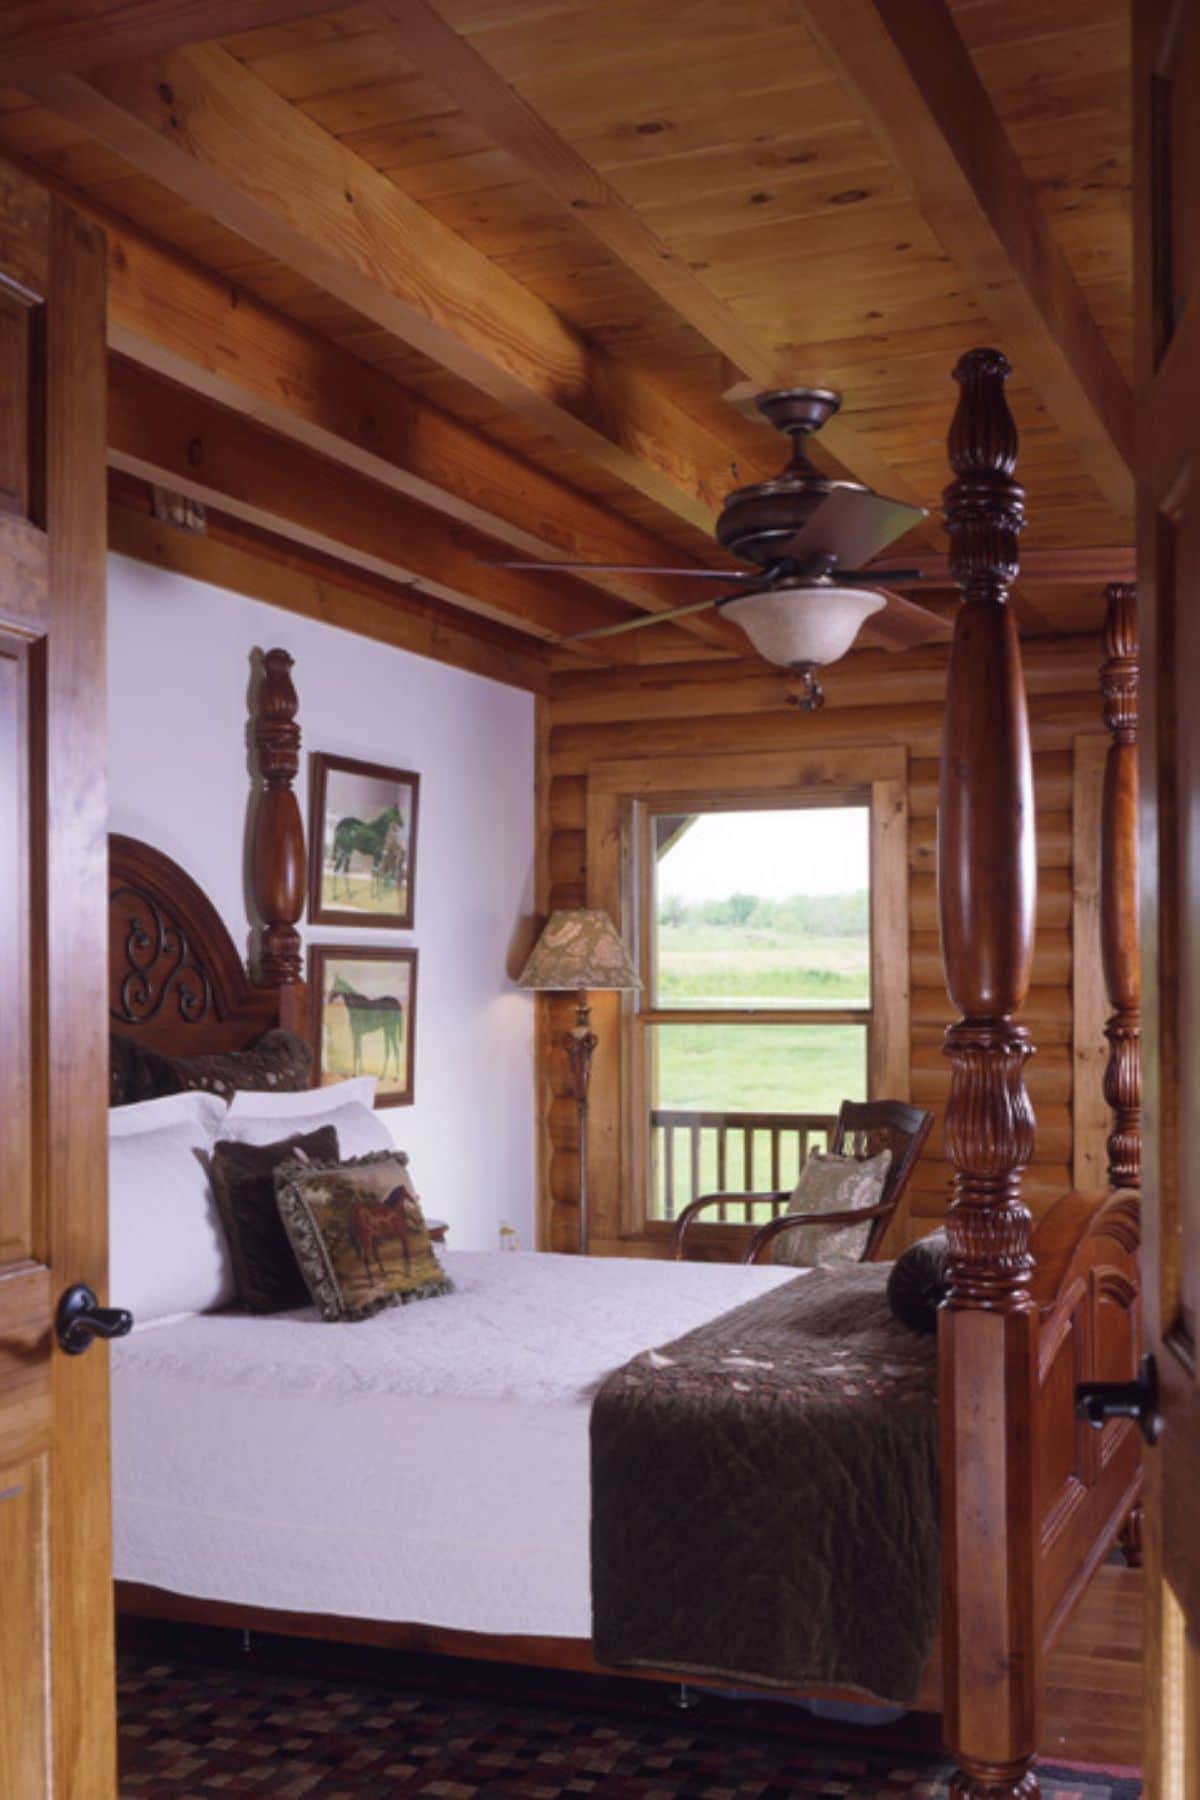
(1051, 961)
(1048, 1077)
(568, 856)
(1056, 719)
(1053, 775)
(566, 806)
(562, 1119)
(1053, 901)
(1052, 834)
(865, 678)
(563, 1233)
(1040, 1188)
(1053, 1141)
(563, 1177)
(1046, 1014)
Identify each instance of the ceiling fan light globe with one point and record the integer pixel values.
(803, 624)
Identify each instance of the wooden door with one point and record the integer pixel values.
(1167, 261)
(56, 1674)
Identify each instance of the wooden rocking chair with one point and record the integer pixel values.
(864, 1128)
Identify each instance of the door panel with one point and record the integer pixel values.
(56, 1676)
(16, 1048)
(1167, 264)
(17, 464)
(25, 1717)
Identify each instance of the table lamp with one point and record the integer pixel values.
(578, 950)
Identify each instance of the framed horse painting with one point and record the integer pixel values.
(363, 843)
(365, 1005)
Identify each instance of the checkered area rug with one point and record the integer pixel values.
(197, 1729)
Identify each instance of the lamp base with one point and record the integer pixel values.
(580, 1045)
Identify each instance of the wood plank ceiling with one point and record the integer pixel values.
(504, 260)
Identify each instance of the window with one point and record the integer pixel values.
(743, 1028)
(757, 1012)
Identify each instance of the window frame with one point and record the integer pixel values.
(620, 798)
(647, 1015)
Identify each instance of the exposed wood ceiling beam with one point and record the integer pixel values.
(205, 127)
(230, 554)
(1086, 565)
(424, 38)
(912, 76)
(197, 329)
(164, 434)
(40, 40)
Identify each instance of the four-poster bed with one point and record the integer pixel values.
(1032, 1499)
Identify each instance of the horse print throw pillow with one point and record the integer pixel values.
(358, 1234)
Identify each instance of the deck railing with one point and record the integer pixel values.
(693, 1153)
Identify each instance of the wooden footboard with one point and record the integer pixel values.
(1086, 1289)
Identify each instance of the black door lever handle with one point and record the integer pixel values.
(80, 1318)
(1099, 1401)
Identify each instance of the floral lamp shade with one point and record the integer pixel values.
(579, 949)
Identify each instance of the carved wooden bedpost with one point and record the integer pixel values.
(1119, 919)
(1119, 889)
(987, 1331)
(277, 863)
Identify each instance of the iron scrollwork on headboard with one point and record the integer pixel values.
(160, 965)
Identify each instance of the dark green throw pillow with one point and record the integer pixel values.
(919, 1282)
(265, 1271)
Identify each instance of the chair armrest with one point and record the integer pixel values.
(766, 1234)
(694, 1207)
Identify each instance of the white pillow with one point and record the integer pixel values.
(300, 1102)
(260, 1118)
(203, 1110)
(167, 1252)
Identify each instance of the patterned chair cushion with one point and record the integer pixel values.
(830, 1184)
(359, 1234)
(265, 1271)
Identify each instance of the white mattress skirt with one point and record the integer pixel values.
(476, 1521)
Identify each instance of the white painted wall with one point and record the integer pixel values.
(178, 682)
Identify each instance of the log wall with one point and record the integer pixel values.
(707, 710)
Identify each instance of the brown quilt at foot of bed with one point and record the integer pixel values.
(764, 1495)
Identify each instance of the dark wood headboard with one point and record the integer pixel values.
(176, 979)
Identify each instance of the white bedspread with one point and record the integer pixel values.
(428, 1465)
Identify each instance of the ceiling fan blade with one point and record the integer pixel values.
(852, 525)
(639, 624)
(903, 624)
(587, 568)
(881, 577)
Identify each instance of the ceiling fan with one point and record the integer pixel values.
(808, 535)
